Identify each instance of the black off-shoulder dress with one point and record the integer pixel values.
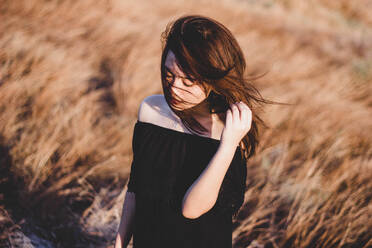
(165, 164)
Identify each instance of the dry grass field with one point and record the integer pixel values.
(72, 75)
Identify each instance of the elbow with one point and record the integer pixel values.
(187, 212)
(190, 214)
(194, 212)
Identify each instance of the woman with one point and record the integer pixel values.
(191, 144)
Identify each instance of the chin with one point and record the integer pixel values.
(181, 108)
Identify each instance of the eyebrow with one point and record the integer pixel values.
(166, 67)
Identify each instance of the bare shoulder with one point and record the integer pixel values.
(154, 109)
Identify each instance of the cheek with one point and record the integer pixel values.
(193, 94)
(198, 94)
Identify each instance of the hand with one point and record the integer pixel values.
(237, 123)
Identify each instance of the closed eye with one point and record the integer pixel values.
(188, 82)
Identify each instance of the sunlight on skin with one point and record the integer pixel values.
(182, 85)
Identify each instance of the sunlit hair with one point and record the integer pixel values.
(207, 52)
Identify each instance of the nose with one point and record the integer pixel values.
(176, 82)
(176, 85)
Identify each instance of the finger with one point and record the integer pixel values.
(228, 121)
(241, 109)
(247, 115)
(244, 114)
(235, 113)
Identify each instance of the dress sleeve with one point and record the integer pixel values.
(131, 187)
(233, 188)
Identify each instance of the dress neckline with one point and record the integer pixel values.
(173, 130)
(216, 141)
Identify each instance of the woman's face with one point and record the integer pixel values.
(182, 87)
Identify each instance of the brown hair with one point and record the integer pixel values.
(207, 52)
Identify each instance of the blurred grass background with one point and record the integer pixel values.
(72, 75)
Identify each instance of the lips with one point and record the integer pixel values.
(172, 100)
(172, 97)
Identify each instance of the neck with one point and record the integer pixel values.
(201, 111)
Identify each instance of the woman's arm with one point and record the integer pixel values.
(126, 223)
(203, 193)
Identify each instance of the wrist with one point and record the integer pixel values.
(224, 145)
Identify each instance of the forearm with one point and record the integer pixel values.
(203, 193)
(124, 233)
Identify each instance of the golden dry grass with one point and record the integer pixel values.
(72, 76)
